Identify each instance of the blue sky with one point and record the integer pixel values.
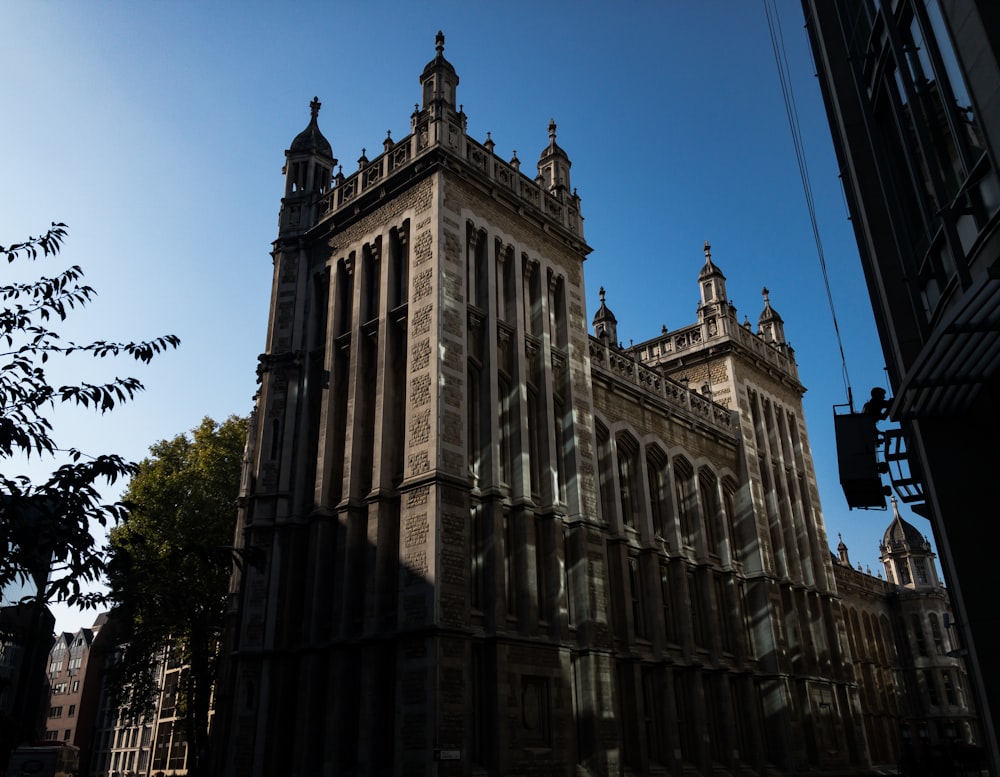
(157, 130)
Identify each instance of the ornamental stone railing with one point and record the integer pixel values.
(624, 367)
(676, 342)
(560, 207)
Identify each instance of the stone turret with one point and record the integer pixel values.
(712, 281)
(906, 554)
(309, 164)
(554, 165)
(605, 324)
(439, 85)
(770, 325)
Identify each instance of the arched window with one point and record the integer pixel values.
(656, 475)
(684, 499)
(709, 492)
(628, 474)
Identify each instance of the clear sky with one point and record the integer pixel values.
(156, 130)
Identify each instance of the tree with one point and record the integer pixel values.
(171, 559)
(46, 527)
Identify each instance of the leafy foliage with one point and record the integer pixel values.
(52, 521)
(171, 560)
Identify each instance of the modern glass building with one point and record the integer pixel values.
(912, 89)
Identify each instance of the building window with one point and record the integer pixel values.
(930, 683)
(569, 562)
(541, 573)
(509, 567)
(683, 498)
(71, 712)
(635, 587)
(535, 711)
(936, 634)
(605, 471)
(918, 635)
(652, 699)
(76, 686)
(708, 489)
(55, 712)
(655, 466)
(669, 631)
(904, 572)
(626, 481)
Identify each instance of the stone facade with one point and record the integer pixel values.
(493, 543)
(915, 695)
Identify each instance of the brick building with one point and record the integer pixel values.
(75, 670)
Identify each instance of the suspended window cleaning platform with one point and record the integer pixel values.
(864, 454)
(857, 458)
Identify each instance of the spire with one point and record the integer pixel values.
(439, 81)
(711, 280)
(308, 173)
(554, 165)
(311, 140)
(770, 325)
(842, 551)
(605, 324)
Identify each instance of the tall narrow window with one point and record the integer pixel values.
(399, 266)
(949, 688)
(918, 634)
(474, 430)
(559, 454)
(627, 474)
(569, 565)
(477, 550)
(652, 708)
(936, 634)
(683, 499)
(509, 573)
(635, 587)
(504, 388)
(370, 256)
(541, 570)
(605, 470)
(707, 486)
(667, 604)
(534, 443)
(655, 466)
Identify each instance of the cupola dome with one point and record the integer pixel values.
(311, 140)
(554, 165)
(770, 325)
(605, 323)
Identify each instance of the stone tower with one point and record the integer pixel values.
(418, 470)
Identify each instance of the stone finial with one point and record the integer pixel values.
(708, 252)
(439, 43)
(601, 292)
(552, 129)
(314, 107)
(766, 293)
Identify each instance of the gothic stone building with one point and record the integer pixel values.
(487, 542)
(907, 654)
